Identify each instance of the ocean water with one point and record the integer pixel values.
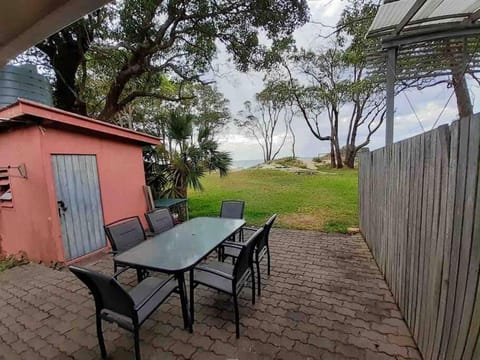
(245, 164)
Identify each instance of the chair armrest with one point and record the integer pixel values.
(237, 245)
(154, 292)
(215, 271)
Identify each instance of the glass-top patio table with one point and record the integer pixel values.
(181, 248)
(173, 203)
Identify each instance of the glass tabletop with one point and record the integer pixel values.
(168, 202)
(181, 247)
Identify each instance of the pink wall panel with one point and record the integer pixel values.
(32, 224)
(29, 225)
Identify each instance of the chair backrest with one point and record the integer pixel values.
(106, 291)
(263, 241)
(244, 259)
(159, 220)
(232, 209)
(125, 233)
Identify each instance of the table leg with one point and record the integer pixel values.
(192, 289)
(183, 299)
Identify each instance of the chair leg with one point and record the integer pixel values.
(252, 275)
(101, 342)
(137, 344)
(268, 259)
(139, 275)
(237, 320)
(258, 276)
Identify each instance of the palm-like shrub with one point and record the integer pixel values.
(192, 151)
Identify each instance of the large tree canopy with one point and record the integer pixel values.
(151, 48)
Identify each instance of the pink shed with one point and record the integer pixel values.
(80, 174)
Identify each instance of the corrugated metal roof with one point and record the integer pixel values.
(436, 8)
(390, 14)
(432, 12)
(428, 8)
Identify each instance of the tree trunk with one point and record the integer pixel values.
(182, 192)
(65, 59)
(111, 107)
(333, 163)
(66, 52)
(350, 156)
(350, 148)
(181, 187)
(464, 103)
(134, 68)
(66, 63)
(338, 154)
(293, 138)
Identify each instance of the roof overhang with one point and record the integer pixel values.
(410, 21)
(26, 112)
(25, 23)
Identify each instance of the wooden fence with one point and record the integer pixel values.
(420, 215)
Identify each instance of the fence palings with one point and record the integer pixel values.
(420, 216)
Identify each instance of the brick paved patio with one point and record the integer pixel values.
(325, 299)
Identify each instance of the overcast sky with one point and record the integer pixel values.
(240, 87)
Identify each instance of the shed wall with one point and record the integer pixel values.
(28, 225)
(37, 230)
(120, 170)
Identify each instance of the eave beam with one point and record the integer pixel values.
(444, 31)
(475, 16)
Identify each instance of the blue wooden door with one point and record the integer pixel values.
(79, 203)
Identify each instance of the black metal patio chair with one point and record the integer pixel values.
(124, 234)
(233, 209)
(233, 249)
(159, 220)
(227, 278)
(128, 309)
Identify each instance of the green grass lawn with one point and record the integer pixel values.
(327, 201)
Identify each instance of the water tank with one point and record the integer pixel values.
(23, 82)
